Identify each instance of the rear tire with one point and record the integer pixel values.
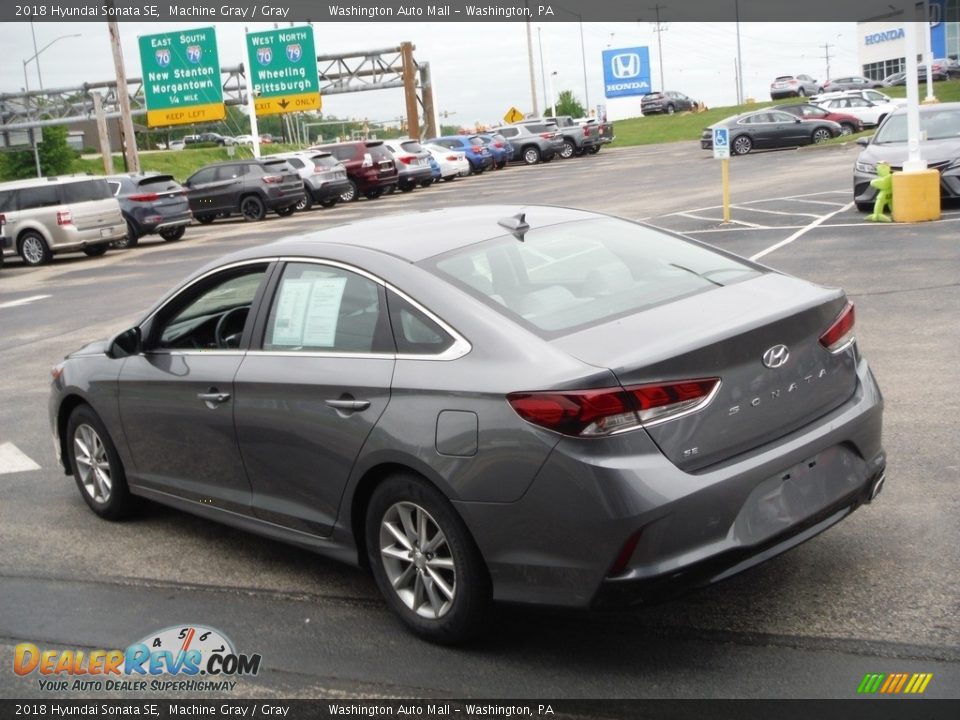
(96, 466)
(373, 194)
(593, 150)
(568, 150)
(252, 208)
(306, 203)
(34, 249)
(864, 207)
(531, 155)
(671, 109)
(407, 187)
(329, 203)
(174, 233)
(286, 211)
(801, 93)
(131, 240)
(350, 194)
(96, 250)
(424, 561)
(847, 129)
(205, 219)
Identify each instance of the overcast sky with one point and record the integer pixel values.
(479, 69)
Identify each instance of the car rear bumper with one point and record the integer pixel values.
(374, 180)
(415, 175)
(6, 244)
(557, 545)
(283, 197)
(69, 240)
(329, 190)
(864, 193)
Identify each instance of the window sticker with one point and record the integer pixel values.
(307, 312)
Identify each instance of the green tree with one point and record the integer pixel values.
(56, 157)
(567, 104)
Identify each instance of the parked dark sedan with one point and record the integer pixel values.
(150, 204)
(667, 102)
(940, 127)
(458, 401)
(770, 129)
(851, 82)
(248, 187)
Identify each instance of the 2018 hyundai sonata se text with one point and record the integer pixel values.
(494, 403)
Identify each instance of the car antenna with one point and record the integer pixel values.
(516, 224)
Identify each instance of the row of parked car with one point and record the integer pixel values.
(825, 116)
(46, 216)
(801, 85)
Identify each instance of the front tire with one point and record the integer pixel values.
(742, 145)
(96, 465)
(821, 135)
(425, 562)
(801, 93)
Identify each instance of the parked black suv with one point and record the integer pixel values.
(249, 187)
(150, 203)
(208, 137)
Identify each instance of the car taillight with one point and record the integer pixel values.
(478, 149)
(623, 557)
(595, 413)
(272, 179)
(498, 144)
(64, 217)
(546, 136)
(840, 335)
(144, 197)
(367, 160)
(407, 160)
(452, 158)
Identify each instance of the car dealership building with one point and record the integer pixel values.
(881, 45)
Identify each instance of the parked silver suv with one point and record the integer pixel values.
(46, 216)
(533, 141)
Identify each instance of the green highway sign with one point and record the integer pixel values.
(282, 66)
(181, 77)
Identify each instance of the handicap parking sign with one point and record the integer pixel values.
(721, 143)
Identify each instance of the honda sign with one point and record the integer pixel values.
(626, 72)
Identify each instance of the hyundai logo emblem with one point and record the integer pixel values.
(625, 65)
(776, 356)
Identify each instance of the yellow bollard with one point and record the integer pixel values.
(916, 196)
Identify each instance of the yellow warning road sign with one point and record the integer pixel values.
(513, 115)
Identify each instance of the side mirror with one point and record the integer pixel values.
(798, 120)
(863, 142)
(127, 343)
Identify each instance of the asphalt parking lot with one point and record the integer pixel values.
(877, 593)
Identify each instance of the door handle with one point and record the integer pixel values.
(213, 398)
(349, 405)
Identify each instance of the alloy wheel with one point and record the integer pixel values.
(821, 135)
(32, 250)
(418, 560)
(93, 465)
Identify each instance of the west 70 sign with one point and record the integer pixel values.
(626, 72)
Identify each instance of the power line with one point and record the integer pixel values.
(660, 28)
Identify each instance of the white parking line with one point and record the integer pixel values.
(774, 212)
(802, 231)
(13, 460)
(720, 220)
(818, 202)
(23, 301)
(765, 200)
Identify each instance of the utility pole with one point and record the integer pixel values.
(826, 56)
(740, 97)
(657, 8)
(533, 79)
(543, 72)
(127, 136)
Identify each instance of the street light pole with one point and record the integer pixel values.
(583, 58)
(543, 72)
(36, 56)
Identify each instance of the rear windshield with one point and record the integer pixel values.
(412, 146)
(785, 77)
(276, 166)
(535, 127)
(343, 152)
(85, 191)
(566, 277)
(476, 140)
(379, 152)
(325, 161)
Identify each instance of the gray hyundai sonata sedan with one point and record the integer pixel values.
(491, 403)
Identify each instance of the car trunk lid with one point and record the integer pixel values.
(724, 333)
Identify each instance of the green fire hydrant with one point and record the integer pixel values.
(884, 185)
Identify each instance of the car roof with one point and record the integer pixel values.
(55, 179)
(416, 236)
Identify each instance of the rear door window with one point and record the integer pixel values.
(415, 333)
(86, 191)
(39, 197)
(8, 201)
